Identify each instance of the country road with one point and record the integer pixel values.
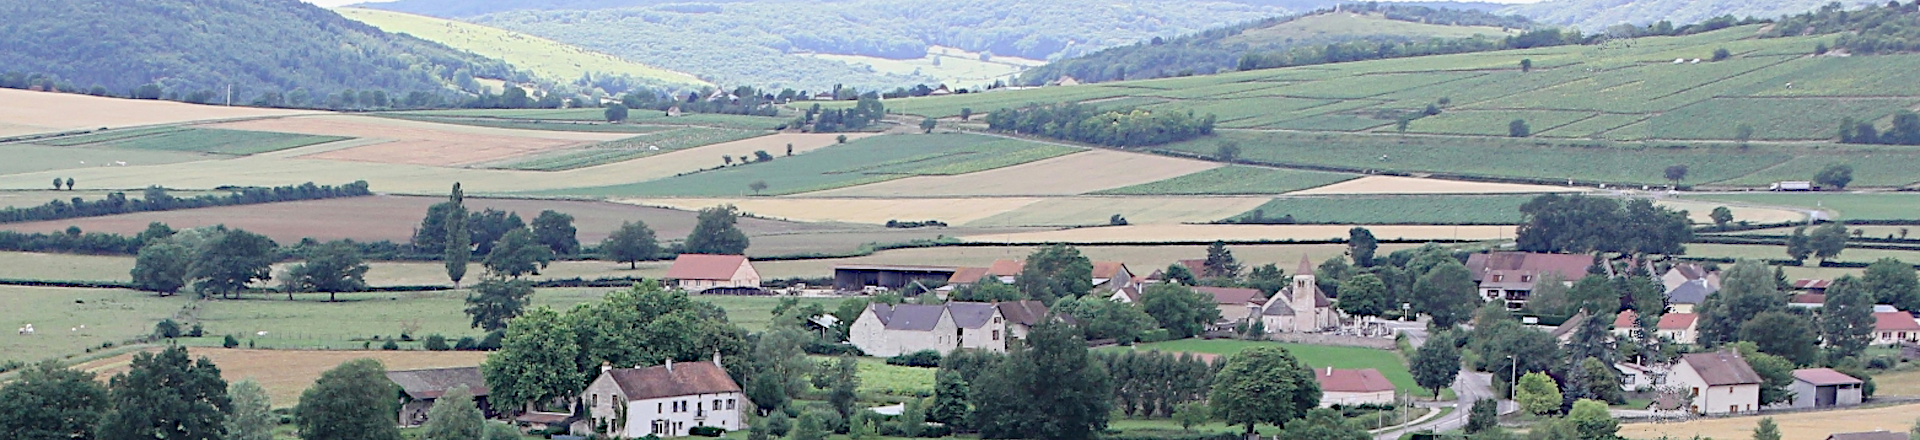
(1469, 387)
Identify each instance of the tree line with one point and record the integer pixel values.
(1088, 124)
(1905, 130)
(1871, 29)
(155, 198)
(1584, 224)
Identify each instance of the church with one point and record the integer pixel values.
(1300, 307)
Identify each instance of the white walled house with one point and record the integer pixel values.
(1682, 328)
(1891, 328)
(1353, 387)
(700, 273)
(665, 400)
(892, 330)
(1718, 383)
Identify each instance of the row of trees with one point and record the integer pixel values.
(865, 112)
(1119, 128)
(157, 199)
(1584, 224)
(1905, 130)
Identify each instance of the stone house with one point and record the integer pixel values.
(665, 400)
(1353, 387)
(1717, 383)
(891, 330)
(702, 273)
(1511, 277)
(421, 388)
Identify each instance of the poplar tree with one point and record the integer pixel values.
(459, 246)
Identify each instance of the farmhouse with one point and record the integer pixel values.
(1681, 328)
(892, 330)
(1300, 307)
(1824, 388)
(1111, 275)
(854, 278)
(1719, 382)
(665, 400)
(1688, 295)
(1236, 304)
(1891, 328)
(713, 273)
(1510, 276)
(421, 388)
(1353, 387)
(1684, 272)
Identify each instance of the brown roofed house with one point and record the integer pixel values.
(1679, 327)
(1510, 276)
(1236, 304)
(1720, 382)
(701, 273)
(1895, 327)
(1111, 275)
(664, 400)
(1006, 270)
(1353, 387)
(423, 387)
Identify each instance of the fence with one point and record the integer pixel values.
(1334, 339)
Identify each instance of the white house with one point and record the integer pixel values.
(1825, 388)
(1636, 377)
(892, 330)
(1894, 327)
(1300, 307)
(700, 273)
(665, 400)
(1680, 328)
(1352, 387)
(1717, 383)
(1510, 277)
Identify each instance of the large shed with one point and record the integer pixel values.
(848, 278)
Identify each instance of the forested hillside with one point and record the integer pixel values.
(294, 53)
(760, 42)
(1597, 15)
(1223, 48)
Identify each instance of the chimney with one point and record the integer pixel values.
(716, 359)
(669, 365)
(606, 366)
(1329, 371)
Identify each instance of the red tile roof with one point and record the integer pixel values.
(705, 267)
(1198, 266)
(1569, 267)
(1677, 321)
(1894, 321)
(682, 379)
(1812, 284)
(1809, 298)
(1107, 269)
(967, 275)
(1627, 319)
(1823, 376)
(1366, 380)
(1006, 268)
(1231, 295)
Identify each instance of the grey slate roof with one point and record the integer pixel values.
(969, 314)
(1690, 292)
(432, 383)
(1722, 368)
(1870, 435)
(909, 316)
(1027, 313)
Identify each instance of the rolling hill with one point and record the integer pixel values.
(545, 58)
(195, 49)
(1223, 48)
(1597, 15)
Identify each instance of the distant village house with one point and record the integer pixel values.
(665, 400)
(700, 273)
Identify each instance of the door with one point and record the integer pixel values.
(1825, 396)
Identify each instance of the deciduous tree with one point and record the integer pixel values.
(1263, 385)
(715, 233)
(47, 401)
(1179, 309)
(161, 267)
(495, 301)
(1787, 335)
(1891, 281)
(517, 254)
(353, 401)
(1447, 293)
(1828, 241)
(454, 417)
(332, 268)
(1052, 388)
(227, 264)
(556, 231)
(1747, 290)
(252, 417)
(1721, 216)
(633, 242)
(536, 363)
(1436, 364)
(166, 395)
(1537, 394)
(1361, 245)
(1363, 295)
(1846, 318)
(1054, 272)
(1836, 175)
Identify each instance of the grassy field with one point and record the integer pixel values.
(198, 140)
(1316, 356)
(1421, 209)
(584, 125)
(858, 162)
(286, 373)
(549, 59)
(630, 148)
(561, 119)
(1142, 210)
(1845, 206)
(1234, 180)
(26, 158)
(110, 317)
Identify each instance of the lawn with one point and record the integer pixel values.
(1846, 206)
(1234, 180)
(597, 124)
(1316, 356)
(1392, 210)
(868, 160)
(643, 145)
(199, 140)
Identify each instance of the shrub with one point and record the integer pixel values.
(492, 342)
(167, 329)
(230, 342)
(390, 345)
(922, 359)
(706, 431)
(436, 343)
(197, 331)
(465, 343)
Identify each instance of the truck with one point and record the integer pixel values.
(1793, 185)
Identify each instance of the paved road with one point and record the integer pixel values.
(1469, 387)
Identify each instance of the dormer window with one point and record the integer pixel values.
(1526, 278)
(1499, 278)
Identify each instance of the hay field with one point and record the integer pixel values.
(30, 112)
(1072, 174)
(1199, 233)
(1797, 426)
(953, 211)
(110, 315)
(1083, 211)
(1699, 210)
(422, 143)
(1413, 185)
(287, 373)
(393, 218)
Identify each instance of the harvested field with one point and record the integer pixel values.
(1072, 174)
(1699, 210)
(1202, 233)
(1084, 211)
(422, 143)
(1412, 185)
(1798, 426)
(286, 373)
(27, 158)
(393, 218)
(29, 112)
(871, 211)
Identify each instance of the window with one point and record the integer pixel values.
(729, 403)
(1499, 278)
(716, 403)
(996, 320)
(1526, 278)
(660, 408)
(996, 335)
(596, 400)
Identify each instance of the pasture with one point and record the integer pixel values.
(1098, 211)
(110, 316)
(30, 112)
(953, 211)
(587, 119)
(28, 158)
(1844, 206)
(638, 146)
(857, 162)
(1235, 180)
(286, 373)
(421, 143)
(1390, 209)
(1806, 425)
(1207, 233)
(1316, 356)
(1077, 173)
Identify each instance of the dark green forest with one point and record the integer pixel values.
(1089, 124)
(193, 50)
(1894, 27)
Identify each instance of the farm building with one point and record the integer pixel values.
(854, 278)
(1682, 328)
(1808, 300)
(1894, 327)
(1237, 305)
(892, 330)
(1300, 307)
(1111, 275)
(1869, 435)
(1510, 276)
(1719, 382)
(423, 387)
(1823, 388)
(1353, 387)
(1812, 286)
(714, 274)
(665, 400)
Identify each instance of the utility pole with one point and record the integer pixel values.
(1513, 382)
(229, 94)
